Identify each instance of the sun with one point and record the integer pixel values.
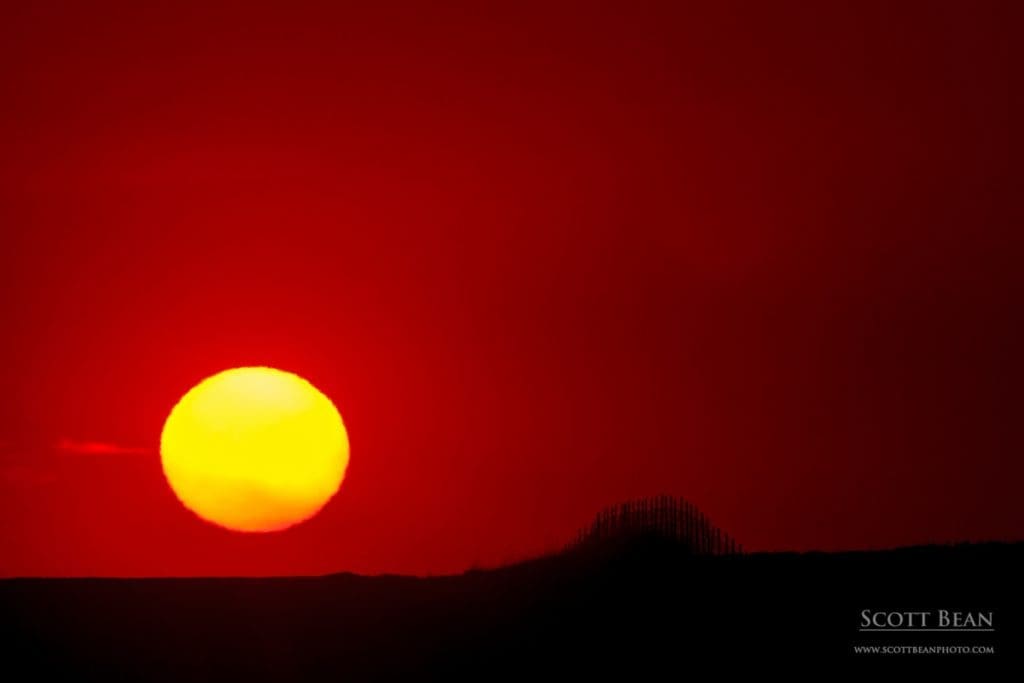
(254, 449)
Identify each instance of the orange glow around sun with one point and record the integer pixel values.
(254, 449)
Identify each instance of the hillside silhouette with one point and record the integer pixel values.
(638, 595)
(666, 519)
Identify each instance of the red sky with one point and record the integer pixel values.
(542, 257)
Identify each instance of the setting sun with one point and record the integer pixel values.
(254, 449)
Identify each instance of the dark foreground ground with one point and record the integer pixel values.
(646, 611)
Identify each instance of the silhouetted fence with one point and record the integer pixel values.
(662, 517)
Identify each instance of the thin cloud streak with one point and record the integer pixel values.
(76, 447)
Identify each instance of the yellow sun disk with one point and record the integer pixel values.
(254, 449)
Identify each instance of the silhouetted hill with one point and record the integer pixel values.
(661, 517)
(634, 608)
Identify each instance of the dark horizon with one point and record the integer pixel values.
(634, 610)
